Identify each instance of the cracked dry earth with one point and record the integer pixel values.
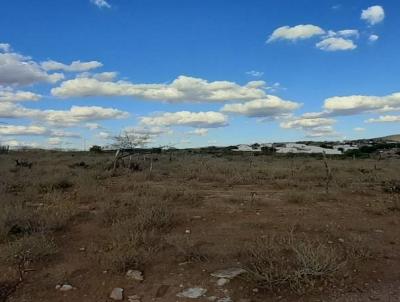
(227, 204)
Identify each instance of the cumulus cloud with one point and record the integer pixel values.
(373, 14)
(356, 104)
(359, 129)
(345, 33)
(4, 47)
(385, 119)
(335, 44)
(298, 32)
(16, 130)
(271, 106)
(323, 131)
(101, 3)
(75, 66)
(199, 132)
(303, 122)
(74, 116)
(7, 94)
(93, 126)
(22, 130)
(255, 73)
(208, 119)
(16, 69)
(313, 127)
(182, 89)
(373, 38)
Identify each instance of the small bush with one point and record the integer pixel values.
(275, 263)
(27, 249)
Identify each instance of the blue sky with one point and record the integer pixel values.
(191, 73)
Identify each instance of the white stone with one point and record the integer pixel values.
(192, 293)
(222, 281)
(134, 298)
(117, 294)
(229, 273)
(66, 287)
(136, 275)
(225, 299)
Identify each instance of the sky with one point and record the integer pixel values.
(188, 73)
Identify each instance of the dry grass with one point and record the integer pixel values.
(135, 235)
(135, 219)
(291, 262)
(28, 249)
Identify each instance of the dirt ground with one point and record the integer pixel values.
(177, 218)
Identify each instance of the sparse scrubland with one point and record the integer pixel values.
(69, 218)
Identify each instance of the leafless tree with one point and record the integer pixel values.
(126, 144)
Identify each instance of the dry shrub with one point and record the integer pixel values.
(55, 214)
(135, 236)
(19, 219)
(27, 249)
(187, 250)
(289, 262)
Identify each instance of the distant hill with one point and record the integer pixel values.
(393, 138)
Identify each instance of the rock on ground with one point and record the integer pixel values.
(228, 273)
(192, 293)
(117, 294)
(136, 275)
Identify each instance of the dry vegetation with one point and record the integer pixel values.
(301, 227)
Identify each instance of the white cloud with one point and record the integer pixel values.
(347, 33)
(101, 3)
(313, 127)
(34, 130)
(22, 130)
(74, 116)
(303, 122)
(335, 44)
(7, 94)
(271, 106)
(323, 131)
(298, 32)
(182, 89)
(16, 69)
(93, 126)
(80, 114)
(199, 132)
(148, 131)
(13, 143)
(373, 38)
(359, 129)
(255, 73)
(104, 135)
(208, 119)
(54, 141)
(373, 14)
(75, 66)
(4, 47)
(356, 104)
(385, 119)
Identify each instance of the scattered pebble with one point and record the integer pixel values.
(64, 287)
(228, 273)
(117, 294)
(341, 240)
(135, 275)
(134, 298)
(222, 281)
(192, 293)
(225, 299)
